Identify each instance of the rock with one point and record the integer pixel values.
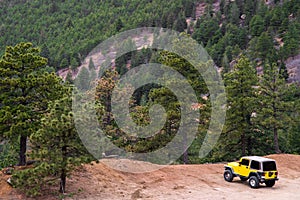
(292, 65)
(137, 194)
(8, 170)
(9, 181)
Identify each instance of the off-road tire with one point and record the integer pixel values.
(253, 182)
(228, 176)
(270, 183)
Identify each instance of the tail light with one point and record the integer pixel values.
(263, 174)
(276, 173)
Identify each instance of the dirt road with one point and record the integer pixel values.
(98, 181)
(184, 182)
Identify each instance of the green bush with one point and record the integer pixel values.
(8, 155)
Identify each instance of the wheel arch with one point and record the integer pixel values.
(253, 174)
(229, 168)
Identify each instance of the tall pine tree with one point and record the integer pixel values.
(25, 90)
(57, 148)
(241, 102)
(275, 110)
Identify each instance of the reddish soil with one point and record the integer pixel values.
(98, 181)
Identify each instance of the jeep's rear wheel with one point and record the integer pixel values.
(270, 183)
(253, 182)
(228, 176)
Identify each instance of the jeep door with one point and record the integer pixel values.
(244, 167)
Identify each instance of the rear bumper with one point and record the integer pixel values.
(263, 180)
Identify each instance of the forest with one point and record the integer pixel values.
(248, 41)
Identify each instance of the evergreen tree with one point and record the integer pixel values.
(91, 65)
(276, 19)
(83, 79)
(222, 6)
(74, 64)
(225, 64)
(262, 9)
(188, 9)
(119, 25)
(165, 97)
(283, 71)
(274, 113)
(57, 148)
(64, 63)
(206, 30)
(234, 15)
(293, 138)
(265, 46)
(25, 92)
(291, 40)
(103, 94)
(69, 78)
(241, 102)
(250, 10)
(257, 26)
(180, 24)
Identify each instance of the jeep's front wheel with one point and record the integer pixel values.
(228, 176)
(253, 182)
(270, 183)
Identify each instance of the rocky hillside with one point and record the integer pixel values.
(293, 67)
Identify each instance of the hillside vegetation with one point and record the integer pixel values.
(67, 31)
(249, 42)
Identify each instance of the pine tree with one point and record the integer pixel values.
(165, 97)
(74, 64)
(57, 148)
(25, 92)
(256, 26)
(119, 25)
(206, 30)
(83, 79)
(180, 24)
(293, 138)
(241, 102)
(69, 78)
(265, 46)
(250, 10)
(103, 94)
(234, 15)
(225, 64)
(64, 63)
(274, 113)
(91, 65)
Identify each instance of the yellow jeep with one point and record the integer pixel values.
(255, 168)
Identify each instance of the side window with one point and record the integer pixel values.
(254, 165)
(244, 162)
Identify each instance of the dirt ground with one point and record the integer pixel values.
(98, 181)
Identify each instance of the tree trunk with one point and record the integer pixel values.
(276, 143)
(63, 176)
(185, 153)
(243, 138)
(186, 157)
(22, 153)
(249, 146)
(275, 130)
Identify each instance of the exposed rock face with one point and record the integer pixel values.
(293, 67)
